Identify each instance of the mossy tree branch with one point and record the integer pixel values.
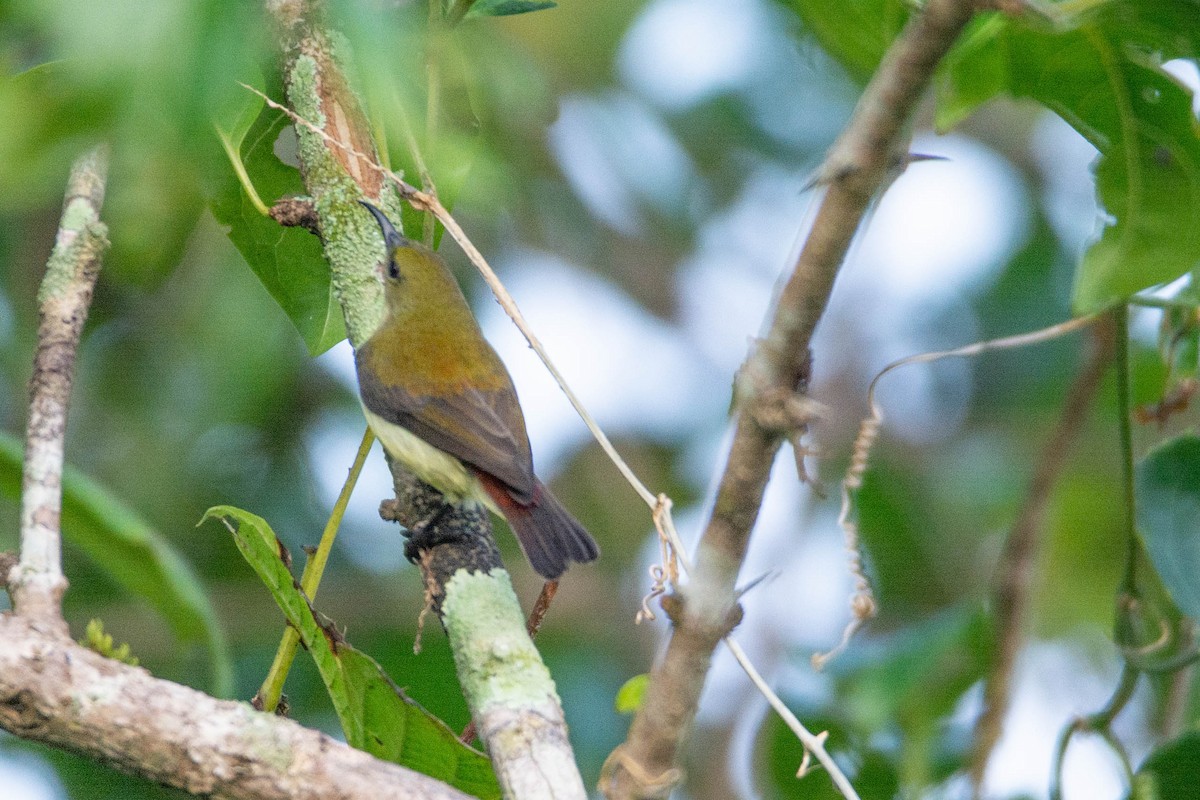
(514, 706)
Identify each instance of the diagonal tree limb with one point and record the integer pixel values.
(37, 583)
(55, 691)
(647, 764)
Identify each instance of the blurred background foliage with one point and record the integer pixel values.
(636, 170)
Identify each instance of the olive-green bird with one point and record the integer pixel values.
(440, 400)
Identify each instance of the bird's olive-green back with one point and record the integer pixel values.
(429, 369)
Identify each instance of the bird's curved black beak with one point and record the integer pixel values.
(392, 238)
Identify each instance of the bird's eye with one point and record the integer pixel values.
(393, 270)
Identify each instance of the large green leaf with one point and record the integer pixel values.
(144, 77)
(46, 121)
(288, 261)
(375, 714)
(1172, 772)
(1102, 73)
(121, 543)
(1168, 517)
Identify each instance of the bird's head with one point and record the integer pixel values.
(393, 241)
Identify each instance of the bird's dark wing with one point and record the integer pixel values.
(484, 429)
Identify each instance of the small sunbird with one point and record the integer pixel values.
(440, 400)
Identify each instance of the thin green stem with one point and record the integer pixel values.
(1103, 718)
(1125, 434)
(272, 686)
(239, 169)
(313, 570)
(1099, 723)
(427, 186)
(433, 100)
(379, 131)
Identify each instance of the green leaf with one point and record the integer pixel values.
(46, 120)
(1168, 517)
(1171, 772)
(375, 714)
(1102, 73)
(144, 77)
(288, 261)
(506, 8)
(121, 543)
(892, 512)
(855, 32)
(918, 675)
(1179, 337)
(232, 123)
(632, 694)
(780, 753)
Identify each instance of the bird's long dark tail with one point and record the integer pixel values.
(550, 537)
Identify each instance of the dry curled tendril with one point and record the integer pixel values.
(664, 573)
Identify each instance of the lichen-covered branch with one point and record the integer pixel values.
(37, 583)
(855, 171)
(335, 178)
(57, 692)
(513, 700)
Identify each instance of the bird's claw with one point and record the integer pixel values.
(427, 534)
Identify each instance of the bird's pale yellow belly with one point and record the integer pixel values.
(439, 469)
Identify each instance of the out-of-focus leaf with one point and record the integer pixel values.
(918, 675)
(46, 121)
(1102, 73)
(855, 32)
(375, 714)
(121, 543)
(152, 206)
(1179, 335)
(505, 8)
(1171, 772)
(632, 694)
(144, 77)
(1168, 517)
(874, 774)
(891, 515)
(288, 261)
(909, 682)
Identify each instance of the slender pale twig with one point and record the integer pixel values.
(37, 583)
